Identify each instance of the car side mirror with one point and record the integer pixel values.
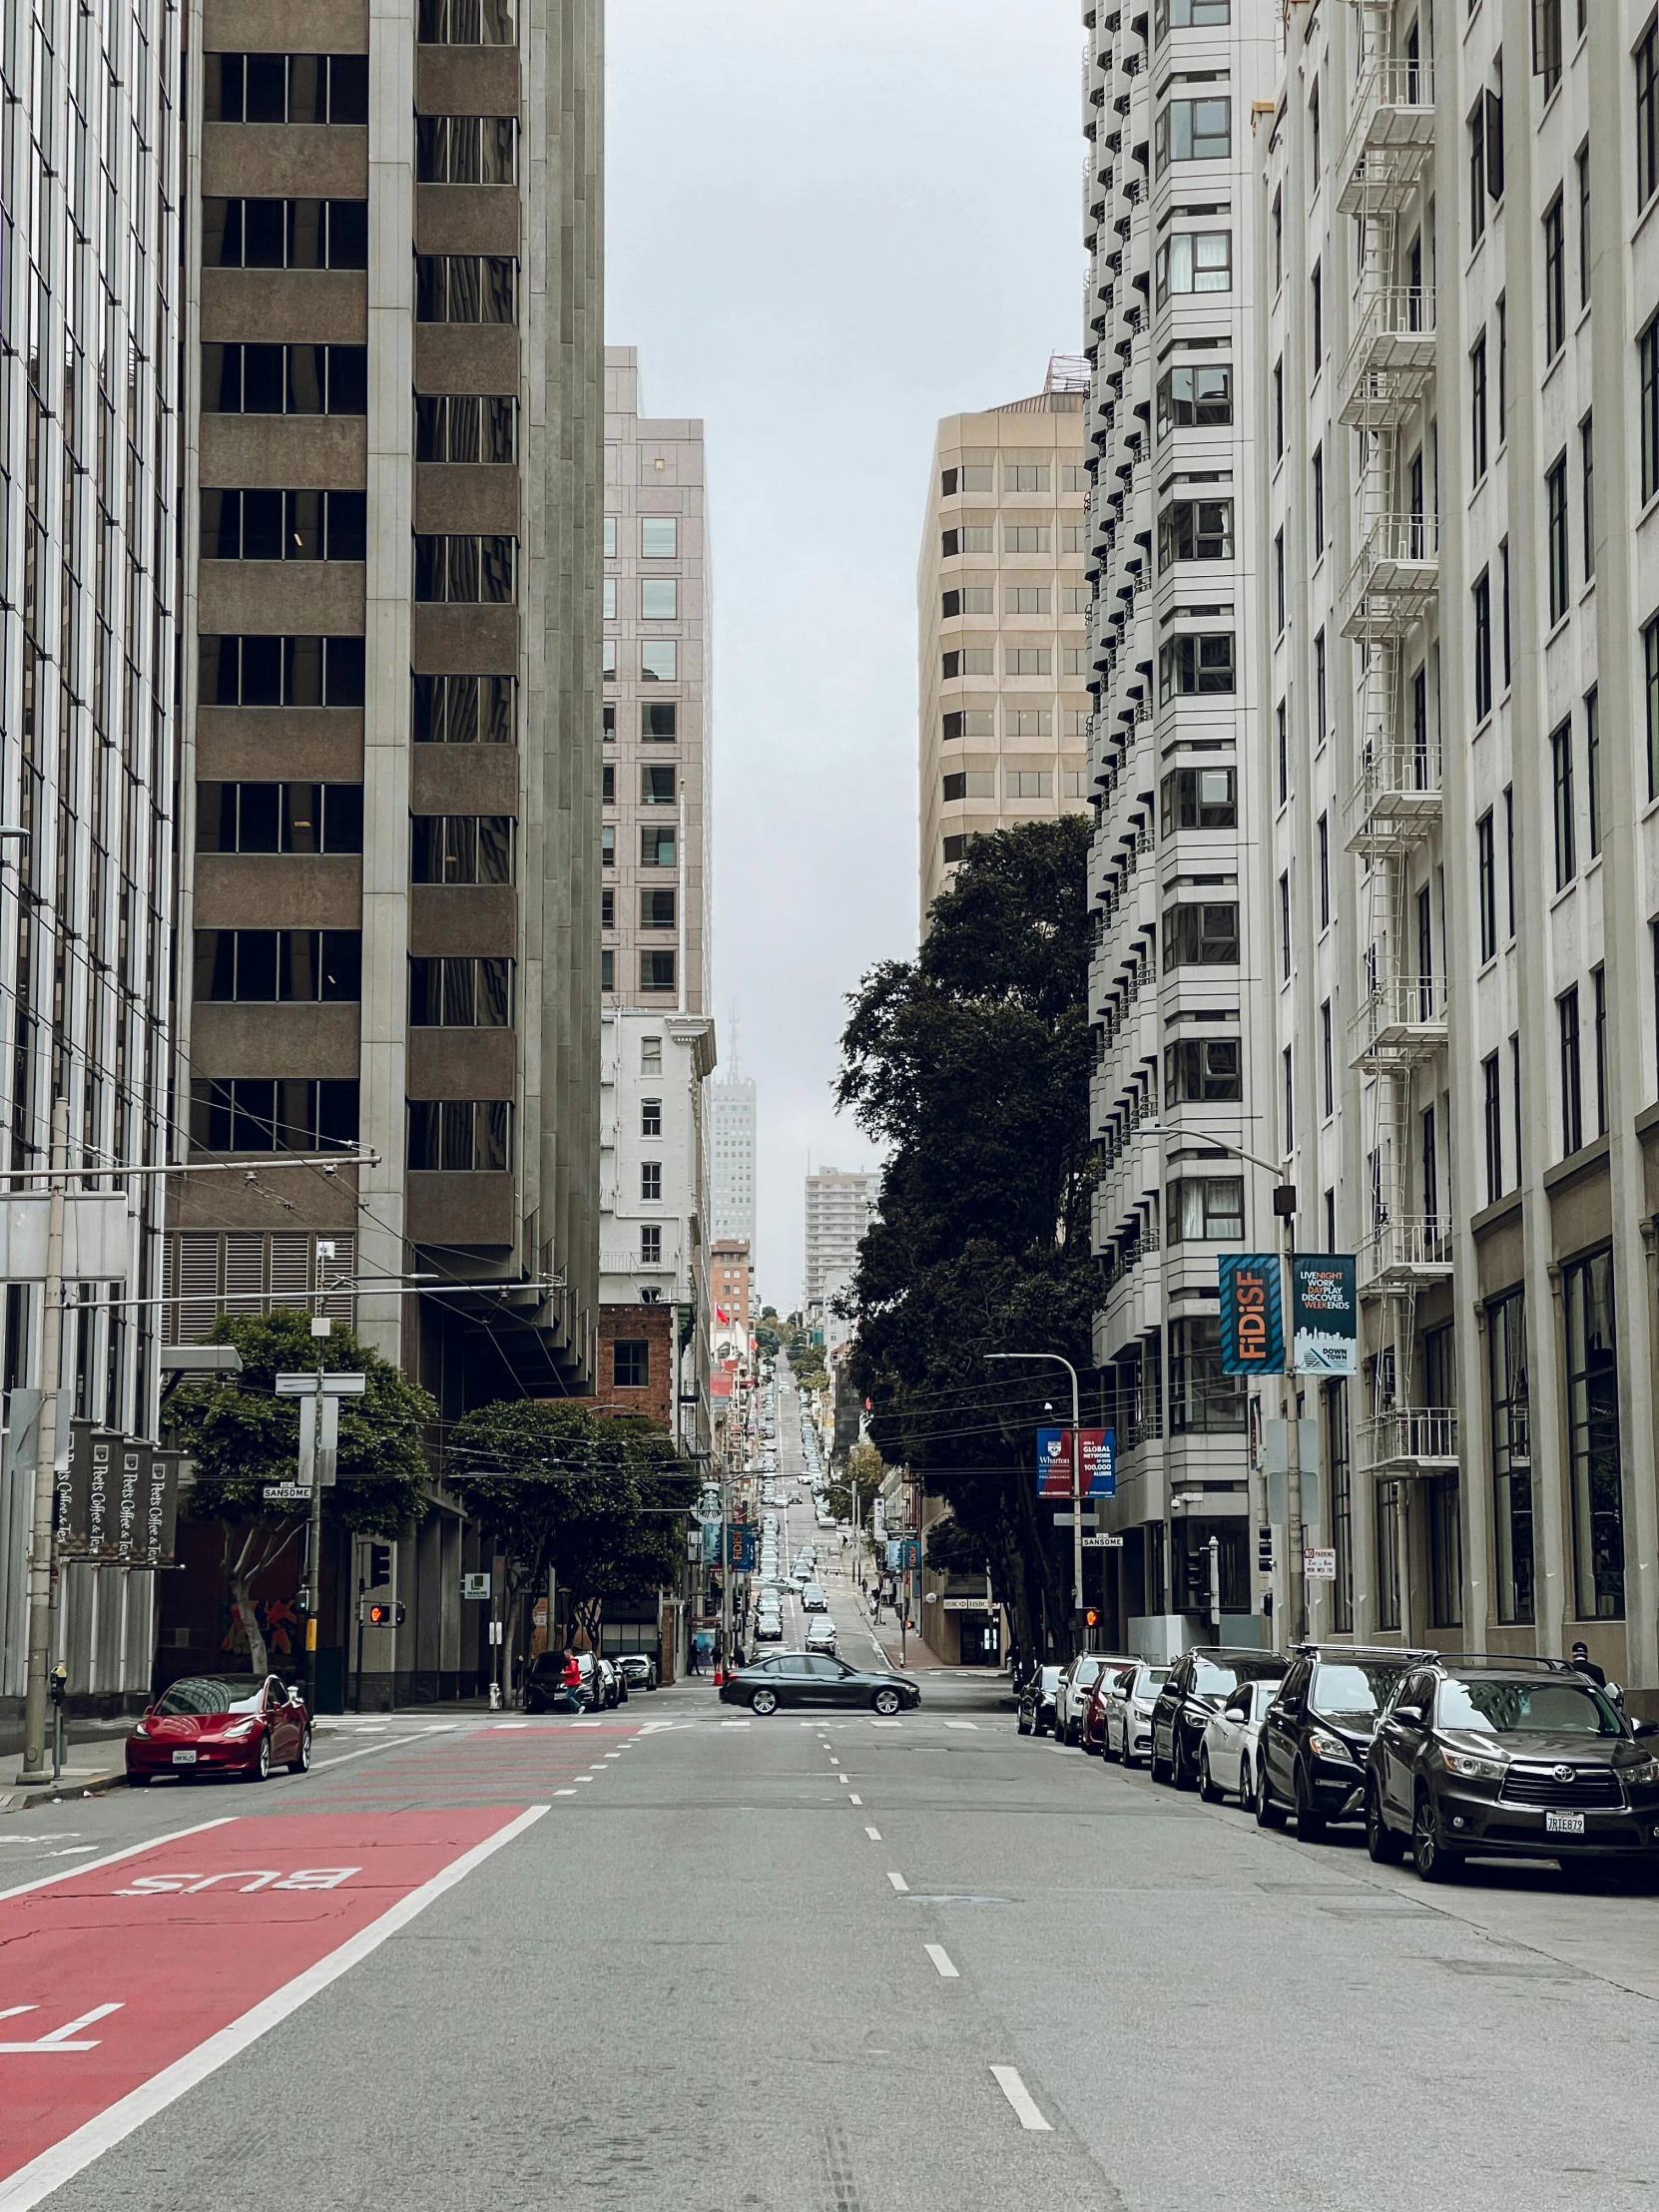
(296, 1695)
(1644, 1728)
(1408, 1716)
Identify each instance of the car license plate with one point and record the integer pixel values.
(187, 1758)
(1563, 1824)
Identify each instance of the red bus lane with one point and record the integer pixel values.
(124, 1983)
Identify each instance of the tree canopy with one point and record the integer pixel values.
(598, 1499)
(243, 1437)
(970, 1063)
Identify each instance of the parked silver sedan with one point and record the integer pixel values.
(1227, 1758)
(1129, 1703)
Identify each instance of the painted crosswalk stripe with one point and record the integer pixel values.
(898, 1880)
(1019, 2096)
(875, 1835)
(942, 1958)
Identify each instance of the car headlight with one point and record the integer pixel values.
(242, 1731)
(1474, 1768)
(1644, 1771)
(1326, 1746)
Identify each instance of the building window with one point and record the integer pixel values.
(657, 784)
(279, 817)
(1592, 766)
(284, 525)
(1477, 170)
(651, 1179)
(1593, 1437)
(1193, 260)
(1201, 935)
(1194, 398)
(658, 909)
(954, 848)
(651, 1117)
(284, 88)
(1202, 1399)
(1342, 1505)
(278, 966)
(1028, 537)
(1189, 665)
(461, 848)
(651, 1245)
(1181, 15)
(1502, 368)
(1386, 1540)
(1546, 43)
(1025, 599)
(1317, 317)
(1318, 501)
(1027, 722)
(466, 287)
(1598, 985)
(280, 672)
(1492, 1116)
(1572, 1089)
(659, 660)
(659, 721)
(284, 379)
(466, 149)
(1647, 116)
(1199, 798)
(1587, 486)
(1483, 597)
(467, 23)
(1555, 501)
(464, 571)
(656, 972)
(1285, 928)
(284, 234)
(1555, 281)
(610, 536)
(1566, 844)
(607, 845)
(1486, 885)
(463, 994)
(1029, 783)
(1027, 660)
(1509, 852)
(660, 537)
(1195, 530)
(1581, 162)
(1477, 407)
(1192, 131)
(973, 782)
(1650, 688)
(1328, 1059)
(253, 1114)
(467, 710)
(1205, 1209)
(629, 1365)
(461, 1135)
(1204, 1071)
(1279, 583)
(1506, 1385)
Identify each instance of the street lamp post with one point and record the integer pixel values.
(1076, 1477)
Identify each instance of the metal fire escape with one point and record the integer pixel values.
(1394, 808)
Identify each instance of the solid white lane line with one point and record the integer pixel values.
(31, 2183)
(898, 1880)
(151, 1843)
(875, 1835)
(1019, 2096)
(942, 1958)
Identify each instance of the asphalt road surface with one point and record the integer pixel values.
(681, 1957)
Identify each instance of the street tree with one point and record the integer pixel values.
(243, 1437)
(970, 1066)
(598, 1499)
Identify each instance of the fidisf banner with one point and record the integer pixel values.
(1325, 1314)
(1251, 1314)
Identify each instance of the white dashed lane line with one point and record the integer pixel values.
(1019, 2096)
(898, 1880)
(875, 1835)
(941, 1959)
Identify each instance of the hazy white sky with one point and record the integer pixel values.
(827, 228)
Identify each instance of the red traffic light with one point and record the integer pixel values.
(1092, 1617)
(386, 1616)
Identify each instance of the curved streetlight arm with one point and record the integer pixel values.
(1059, 1359)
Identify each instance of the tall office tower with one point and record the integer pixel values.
(1176, 975)
(655, 897)
(732, 1131)
(1000, 605)
(839, 1207)
(90, 325)
(391, 715)
(1460, 407)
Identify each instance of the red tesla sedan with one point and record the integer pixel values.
(220, 1724)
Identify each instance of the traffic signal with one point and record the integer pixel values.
(379, 1565)
(1197, 1569)
(1092, 1617)
(386, 1616)
(1263, 1551)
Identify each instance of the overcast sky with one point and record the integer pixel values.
(828, 227)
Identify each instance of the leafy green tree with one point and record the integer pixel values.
(970, 1066)
(243, 1437)
(599, 1499)
(865, 1467)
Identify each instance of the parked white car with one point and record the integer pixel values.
(1128, 1714)
(1228, 1756)
(1077, 1679)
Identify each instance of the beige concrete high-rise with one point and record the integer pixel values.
(1002, 602)
(839, 1207)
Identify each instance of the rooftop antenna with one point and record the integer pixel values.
(736, 1065)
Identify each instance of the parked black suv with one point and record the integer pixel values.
(1318, 1731)
(544, 1690)
(1199, 1683)
(1512, 1758)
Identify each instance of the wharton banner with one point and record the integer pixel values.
(1325, 1314)
(1098, 1450)
(1251, 1314)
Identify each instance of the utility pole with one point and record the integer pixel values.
(1284, 1205)
(1076, 1484)
(35, 1768)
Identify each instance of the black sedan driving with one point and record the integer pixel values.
(814, 1678)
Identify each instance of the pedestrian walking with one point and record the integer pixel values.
(1585, 1665)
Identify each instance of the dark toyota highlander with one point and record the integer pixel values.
(1197, 1684)
(1318, 1731)
(1505, 1757)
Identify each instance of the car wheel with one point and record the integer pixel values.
(1162, 1770)
(1385, 1848)
(1247, 1784)
(886, 1700)
(260, 1771)
(1310, 1820)
(1022, 1725)
(1268, 1814)
(764, 1702)
(1180, 1774)
(1106, 1751)
(1206, 1781)
(1429, 1855)
(303, 1765)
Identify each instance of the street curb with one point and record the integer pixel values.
(21, 1801)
